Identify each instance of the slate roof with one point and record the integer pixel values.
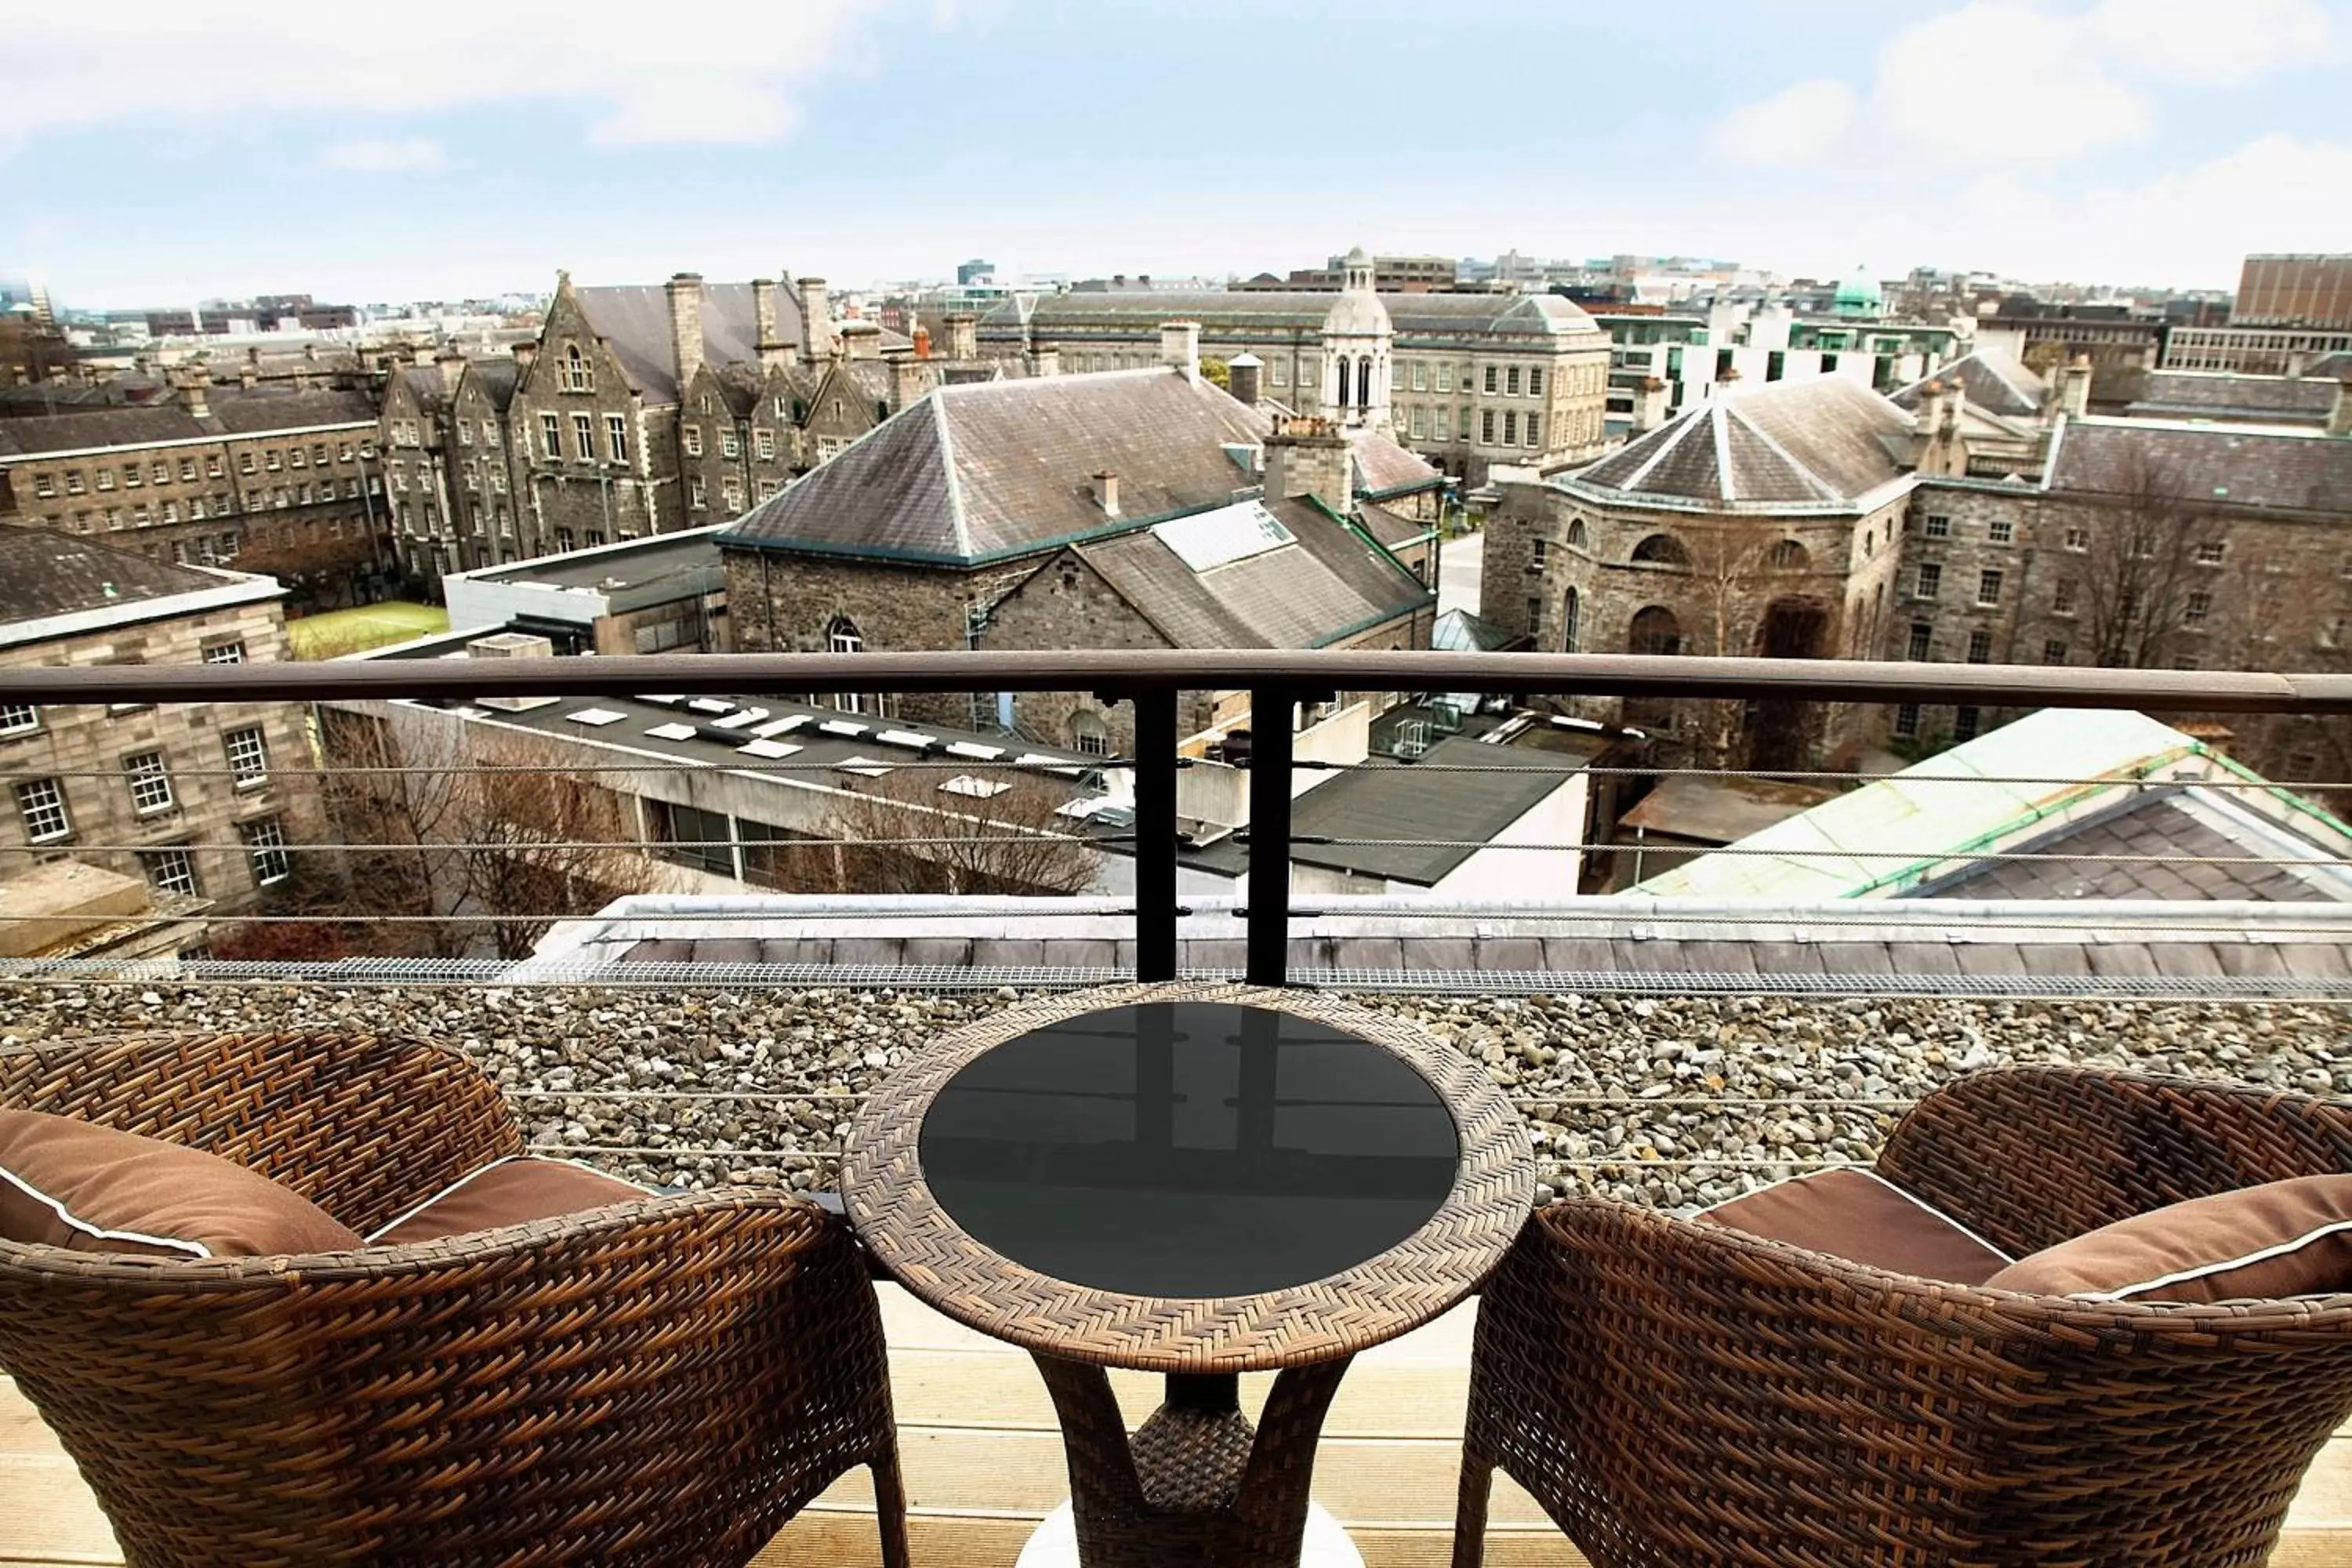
(2190, 394)
(1391, 529)
(2279, 470)
(1459, 631)
(634, 318)
(498, 378)
(1001, 470)
(2196, 833)
(1326, 585)
(1822, 443)
(234, 412)
(1385, 467)
(1991, 379)
(43, 573)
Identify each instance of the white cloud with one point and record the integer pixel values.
(2011, 84)
(1803, 121)
(404, 155)
(732, 70)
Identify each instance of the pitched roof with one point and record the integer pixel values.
(498, 378)
(1928, 830)
(2219, 394)
(2286, 470)
(1991, 379)
(45, 573)
(234, 412)
(1385, 467)
(1001, 470)
(1325, 583)
(634, 320)
(1822, 443)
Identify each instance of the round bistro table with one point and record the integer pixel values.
(1200, 1180)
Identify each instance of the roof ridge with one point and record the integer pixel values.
(959, 523)
(1821, 487)
(1667, 444)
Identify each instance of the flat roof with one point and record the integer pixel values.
(633, 565)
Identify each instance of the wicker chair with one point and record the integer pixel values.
(662, 1382)
(1678, 1394)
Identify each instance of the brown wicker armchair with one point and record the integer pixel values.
(658, 1382)
(1684, 1394)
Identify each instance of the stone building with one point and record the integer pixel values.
(636, 410)
(280, 480)
(201, 800)
(1815, 520)
(2147, 543)
(924, 534)
(2296, 399)
(1467, 380)
(1767, 521)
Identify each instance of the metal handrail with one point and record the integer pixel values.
(1277, 680)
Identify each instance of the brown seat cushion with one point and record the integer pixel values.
(512, 1191)
(87, 1188)
(2283, 1238)
(1862, 1218)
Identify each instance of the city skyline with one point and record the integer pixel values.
(2122, 142)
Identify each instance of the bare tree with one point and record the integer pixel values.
(2139, 573)
(468, 836)
(986, 833)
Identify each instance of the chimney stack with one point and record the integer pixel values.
(1107, 492)
(816, 320)
(774, 353)
(2075, 388)
(249, 374)
(910, 379)
(2339, 418)
(860, 339)
(963, 336)
(2297, 361)
(1180, 346)
(452, 365)
(1309, 456)
(1241, 378)
(524, 353)
(196, 392)
(684, 292)
(1045, 360)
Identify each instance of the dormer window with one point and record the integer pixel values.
(578, 374)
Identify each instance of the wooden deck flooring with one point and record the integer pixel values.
(984, 1464)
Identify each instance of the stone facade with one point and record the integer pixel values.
(282, 482)
(217, 785)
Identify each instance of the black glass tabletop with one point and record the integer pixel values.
(1189, 1149)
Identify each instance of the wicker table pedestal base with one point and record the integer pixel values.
(1196, 1484)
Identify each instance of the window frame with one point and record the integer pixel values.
(148, 777)
(246, 770)
(264, 841)
(54, 806)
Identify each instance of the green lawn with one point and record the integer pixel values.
(339, 632)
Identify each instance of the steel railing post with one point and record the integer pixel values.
(1272, 715)
(1155, 834)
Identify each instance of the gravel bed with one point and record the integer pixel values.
(1671, 1101)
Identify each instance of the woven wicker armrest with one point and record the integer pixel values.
(2032, 1156)
(659, 1381)
(364, 1125)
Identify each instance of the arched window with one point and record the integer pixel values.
(1663, 550)
(1654, 630)
(1789, 556)
(1088, 736)
(1571, 611)
(577, 374)
(1343, 382)
(1576, 536)
(842, 637)
(1363, 383)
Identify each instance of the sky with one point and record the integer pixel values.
(159, 152)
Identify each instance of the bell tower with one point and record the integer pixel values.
(1358, 342)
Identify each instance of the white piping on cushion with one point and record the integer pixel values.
(194, 1248)
(1912, 1198)
(391, 1225)
(2125, 1292)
